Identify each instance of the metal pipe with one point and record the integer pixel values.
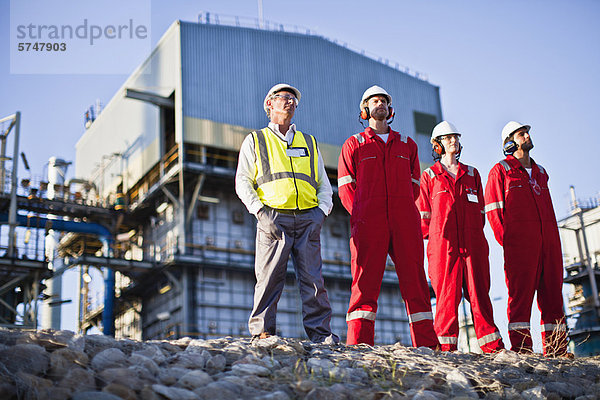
(108, 314)
(12, 214)
(194, 200)
(36, 292)
(574, 204)
(185, 299)
(62, 225)
(2, 162)
(79, 299)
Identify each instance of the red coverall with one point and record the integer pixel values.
(452, 218)
(378, 185)
(521, 215)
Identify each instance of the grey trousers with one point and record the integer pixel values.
(277, 236)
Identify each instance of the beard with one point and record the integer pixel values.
(527, 145)
(379, 114)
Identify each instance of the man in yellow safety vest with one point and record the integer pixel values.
(281, 179)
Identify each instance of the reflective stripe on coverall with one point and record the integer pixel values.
(452, 218)
(378, 184)
(522, 217)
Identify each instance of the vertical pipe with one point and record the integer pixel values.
(36, 293)
(2, 162)
(162, 146)
(12, 214)
(181, 207)
(79, 299)
(52, 313)
(185, 300)
(574, 204)
(85, 297)
(108, 314)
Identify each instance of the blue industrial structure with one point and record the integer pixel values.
(580, 236)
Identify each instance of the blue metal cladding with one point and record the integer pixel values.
(226, 72)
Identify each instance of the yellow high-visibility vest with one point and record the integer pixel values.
(286, 176)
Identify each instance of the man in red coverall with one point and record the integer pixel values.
(378, 181)
(519, 208)
(452, 218)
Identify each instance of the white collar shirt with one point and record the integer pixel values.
(289, 135)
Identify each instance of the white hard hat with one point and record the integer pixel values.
(278, 88)
(374, 91)
(443, 128)
(511, 127)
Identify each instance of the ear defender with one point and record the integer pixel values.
(510, 147)
(438, 148)
(365, 113)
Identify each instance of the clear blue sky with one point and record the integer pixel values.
(533, 61)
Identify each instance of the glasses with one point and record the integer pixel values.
(287, 99)
(449, 137)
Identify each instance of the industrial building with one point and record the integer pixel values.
(156, 169)
(580, 237)
(166, 147)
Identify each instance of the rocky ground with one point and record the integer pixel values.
(61, 365)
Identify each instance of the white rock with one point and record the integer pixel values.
(458, 378)
(424, 350)
(250, 369)
(94, 396)
(268, 343)
(144, 362)
(533, 393)
(173, 393)
(340, 374)
(32, 386)
(78, 379)
(460, 385)
(279, 395)
(319, 365)
(284, 350)
(215, 391)
(109, 358)
(63, 359)
(421, 395)
(153, 352)
(507, 357)
(77, 343)
(188, 360)
(29, 358)
(194, 379)
(321, 393)
(96, 343)
(169, 376)
(198, 345)
(216, 364)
